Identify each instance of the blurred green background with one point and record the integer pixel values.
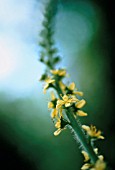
(84, 35)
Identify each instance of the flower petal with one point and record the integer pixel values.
(67, 104)
(57, 132)
(65, 98)
(78, 93)
(86, 166)
(86, 156)
(81, 113)
(53, 96)
(54, 113)
(87, 128)
(50, 105)
(72, 86)
(80, 104)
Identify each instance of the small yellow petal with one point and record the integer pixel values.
(50, 105)
(101, 137)
(72, 86)
(49, 80)
(86, 156)
(100, 165)
(96, 150)
(54, 71)
(81, 113)
(53, 96)
(62, 85)
(52, 81)
(65, 97)
(57, 132)
(62, 72)
(45, 88)
(86, 166)
(74, 99)
(58, 106)
(78, 93)
(58, 124)
(59, 103)
(87, 128)
(80, 104)
(101, 157)
(54, 113)
(67, 104)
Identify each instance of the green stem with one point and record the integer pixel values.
(58, 89)
(78, 131)
(81, 136)
(74, 123)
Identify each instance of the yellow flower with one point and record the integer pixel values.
(101, 157)
(53, 98)
(66, 101)
(86, 166)
(86, 156)
(49, 82)
(60, 125)
(62, 86)
(57, 132)
(60, 72)
(100, 165)
(81, 113)
(73, 89)
(80, 104)
(92, 131)
(96, 150)
(52, 105)
(54, 113)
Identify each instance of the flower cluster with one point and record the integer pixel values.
(93, 134)
(99, 165)
(67, 97)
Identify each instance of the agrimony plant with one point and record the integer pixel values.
(66, 101)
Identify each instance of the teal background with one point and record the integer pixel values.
(84, 35)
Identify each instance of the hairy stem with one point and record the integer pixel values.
(81, 136)
(78, 131)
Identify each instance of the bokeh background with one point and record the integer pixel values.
(84, 35)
